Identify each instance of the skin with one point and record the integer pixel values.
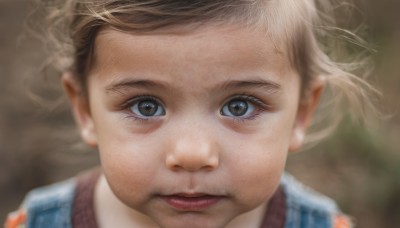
(194, 146)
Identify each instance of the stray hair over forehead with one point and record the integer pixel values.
(293, 25)
(284, 20)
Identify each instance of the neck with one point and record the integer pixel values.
(251, 219)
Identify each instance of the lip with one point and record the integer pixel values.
(191, 202)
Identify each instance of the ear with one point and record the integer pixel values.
(80, 108)
(306, 109)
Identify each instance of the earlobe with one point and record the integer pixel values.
(306, 109)
(297, 139)
(80, 108)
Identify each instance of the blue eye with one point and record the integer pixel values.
(147, 108)
(238, 108)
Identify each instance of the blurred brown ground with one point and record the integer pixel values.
(360, 169)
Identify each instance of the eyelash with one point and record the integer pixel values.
(129, 103)
(260, 107)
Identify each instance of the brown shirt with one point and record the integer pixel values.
(83, 215)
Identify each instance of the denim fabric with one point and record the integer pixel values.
(306, 208)
(51, 206)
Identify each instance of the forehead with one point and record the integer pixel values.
(208, 48)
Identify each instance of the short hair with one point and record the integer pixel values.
(294, 25)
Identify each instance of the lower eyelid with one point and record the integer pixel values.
(258, 111)
(259, 106)
(130, 116)
(247, 120)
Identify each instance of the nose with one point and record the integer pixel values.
(193, 152)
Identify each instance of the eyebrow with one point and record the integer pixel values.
(269, 86)
(119, 87)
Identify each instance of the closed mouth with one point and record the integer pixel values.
(191, 202)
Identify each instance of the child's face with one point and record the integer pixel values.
(192, 128)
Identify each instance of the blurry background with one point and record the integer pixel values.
(358, 168)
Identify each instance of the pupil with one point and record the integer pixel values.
(238, 107)
(148, 108)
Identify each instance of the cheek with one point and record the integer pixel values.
(120, 149)
(130, 171)
(256, 162)
(129, 162)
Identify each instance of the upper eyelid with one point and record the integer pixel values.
(253, 99)
(261, 107)
(138, 98)
(125, 106)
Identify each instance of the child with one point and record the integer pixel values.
(194, 107)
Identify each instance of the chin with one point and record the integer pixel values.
(194, 220)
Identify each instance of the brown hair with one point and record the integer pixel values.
(72, 26)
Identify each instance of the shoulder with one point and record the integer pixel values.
(308, 208)
(298, 196)
(48, 206)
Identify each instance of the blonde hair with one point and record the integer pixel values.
(72, 26)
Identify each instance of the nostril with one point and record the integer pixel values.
(192, 154)
(212, 163)
(191, 163)
(171, 163)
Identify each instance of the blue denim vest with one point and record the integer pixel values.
(51, 206)
(306, 208)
